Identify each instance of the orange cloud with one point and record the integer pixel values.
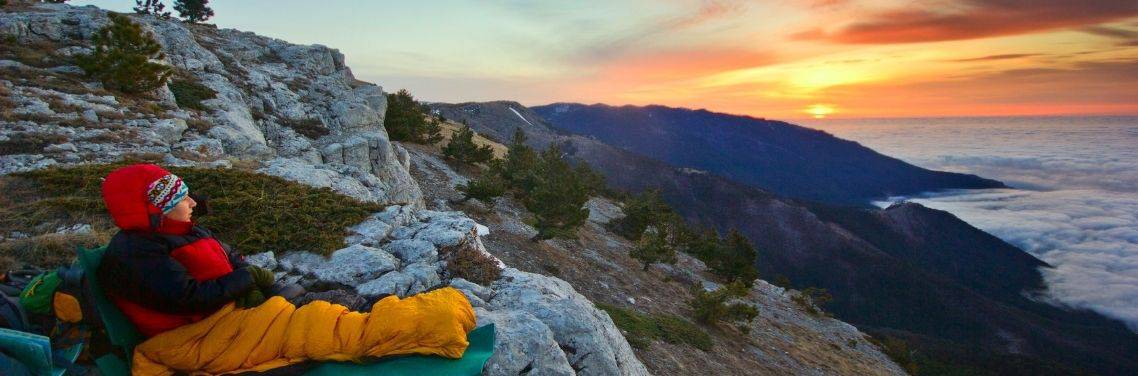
(977, 19)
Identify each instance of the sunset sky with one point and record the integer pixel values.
(776, 59)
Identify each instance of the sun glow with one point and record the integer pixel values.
(819, 111)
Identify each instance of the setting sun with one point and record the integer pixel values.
(819, 111)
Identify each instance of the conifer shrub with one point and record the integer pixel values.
(558, 196)
(122, 58)
(188, 93)
(462, 147)
(406, 120)
(253, 212)
(652, 248)
(812, 299)
(550, 187)
(710, 307)
(487, 186)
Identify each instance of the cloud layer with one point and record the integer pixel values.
(1076, 202)
(972, 19)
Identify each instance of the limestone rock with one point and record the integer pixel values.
(413, 250)
(523, 343)
(354, 265)
(590, 339)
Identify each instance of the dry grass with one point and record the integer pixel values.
(467, 262)
(48, 250)
(29, 143)
(449, 128)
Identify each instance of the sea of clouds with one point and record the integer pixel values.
(1074, 202)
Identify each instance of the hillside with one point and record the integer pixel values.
(292, 120)
(956, 293)
(787, 159)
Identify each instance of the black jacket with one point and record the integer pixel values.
(137, 266)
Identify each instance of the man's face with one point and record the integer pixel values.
(184, 210)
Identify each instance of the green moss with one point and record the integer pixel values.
(252, 211)
(641, 329)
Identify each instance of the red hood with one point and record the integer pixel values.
(124, 192)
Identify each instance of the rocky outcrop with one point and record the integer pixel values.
(544, 325)
(298, 109)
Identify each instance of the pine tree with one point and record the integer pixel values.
(155, 7)
(487, 186)
(406, 120)
(463, 148)
(737, 260)
(520, 167)
(558, 196)
(193, 11)
(643, 210)
(121, 59)
(654, 247)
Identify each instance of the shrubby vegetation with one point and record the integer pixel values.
(653, 247)
(710, 307)
(122, 55)
(641, 329)
(812, 299)
(155, 7)
(190, 94)
(408, 120)
(549, 186)
(732, 257)
(252, 211)
(462, 147)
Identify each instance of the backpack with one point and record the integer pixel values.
(43, 310)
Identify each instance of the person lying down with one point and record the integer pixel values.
(205, 310)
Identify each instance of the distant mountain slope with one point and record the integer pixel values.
(952, 291)
(781, 157)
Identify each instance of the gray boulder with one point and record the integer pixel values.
(590, 339)
(354, 265)
(523, 343)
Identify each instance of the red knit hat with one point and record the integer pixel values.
(125, 192)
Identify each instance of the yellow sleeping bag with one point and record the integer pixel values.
(277, 333)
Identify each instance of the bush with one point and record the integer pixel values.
(487, 186)
(188, 93)
(710, 307)
(732, 258)
(461, 147)
(653, 247)
(641, 329)
(812, 299)
(467, 262)
(558, 196)
(405, 120)
(252, 211)
(122, 55)
(643, 210)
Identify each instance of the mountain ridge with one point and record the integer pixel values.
(883, 276)
(778, 156)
